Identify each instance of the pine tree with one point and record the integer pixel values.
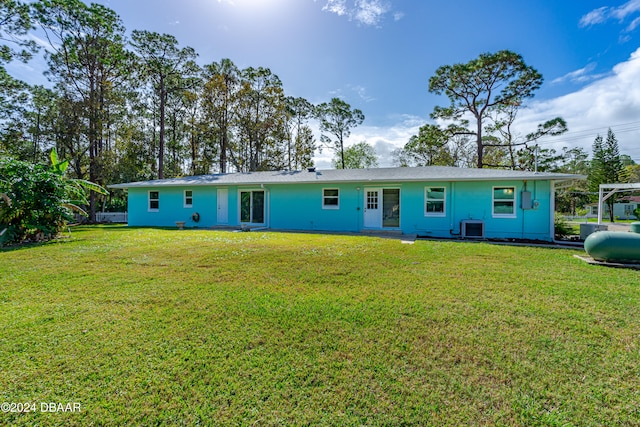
(606, 166)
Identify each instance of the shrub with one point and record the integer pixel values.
(30, 208)
(37, 202)
(561, 227)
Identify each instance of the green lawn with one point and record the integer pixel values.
(197, 327)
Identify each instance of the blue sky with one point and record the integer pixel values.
(379, 54)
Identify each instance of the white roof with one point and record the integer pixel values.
(381, 175)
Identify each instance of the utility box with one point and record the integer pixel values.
(525, 200)
(589, 228)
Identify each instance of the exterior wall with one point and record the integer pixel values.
(620, 210)
(172, 208)
(300, 207)
(625, 210)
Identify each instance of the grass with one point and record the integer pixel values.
(605, 220)
(167, 327)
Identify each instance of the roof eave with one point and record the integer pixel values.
(533, 177)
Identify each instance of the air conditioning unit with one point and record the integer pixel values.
(472, 229)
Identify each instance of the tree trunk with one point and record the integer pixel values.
(479, 142)
(161, 142)
(611, 204)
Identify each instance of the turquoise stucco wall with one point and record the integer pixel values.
(299, 207)
(172, 206)
(473, 201)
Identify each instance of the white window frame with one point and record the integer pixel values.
(265, 206)
(149, 200)
(444, 200)
(188, 205)
(325, 197)
(494, 200)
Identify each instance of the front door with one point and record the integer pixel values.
(372, 208)
(223, 206)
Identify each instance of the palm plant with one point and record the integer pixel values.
(36, 202)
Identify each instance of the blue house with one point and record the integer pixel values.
(432, 201)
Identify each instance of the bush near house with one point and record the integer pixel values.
(561, 226)
(38, 201)
(30, 208)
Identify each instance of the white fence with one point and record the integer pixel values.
(112, 217)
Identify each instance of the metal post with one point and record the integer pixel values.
(600, 204)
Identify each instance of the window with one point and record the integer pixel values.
(188, 198)
(504, 201)
(252, 207)
(435, 201)
(372, 200)
(330, 198)
(154, 200)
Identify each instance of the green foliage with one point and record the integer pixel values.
(37, 201)
(90, 64)
(561, 227)
(357, 156)
(482, 86)
(33, 207)
(301, 143)
(169, 68)
(606, 166)
(336, 121)
(632, 173)
(15, 21)
(428, 148)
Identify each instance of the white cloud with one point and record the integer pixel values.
(339, 7)
(634, 24)
(610, 101)
(370, 12)
(626, 9)
(398, 16)
(603, 14)
(361, 91)
(383, 139)
(366, 12)
(596, 16)
(579, 76)
(386, 139)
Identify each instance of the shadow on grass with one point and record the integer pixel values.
(61, 240)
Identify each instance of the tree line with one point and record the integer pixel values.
(140, 107)
(137, 107)
(476, 129)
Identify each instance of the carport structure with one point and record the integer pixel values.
(608, 190)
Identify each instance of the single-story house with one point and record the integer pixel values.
(432, 201)
(622, 209)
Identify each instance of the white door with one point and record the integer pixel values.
(223, 206)
(372, 208)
